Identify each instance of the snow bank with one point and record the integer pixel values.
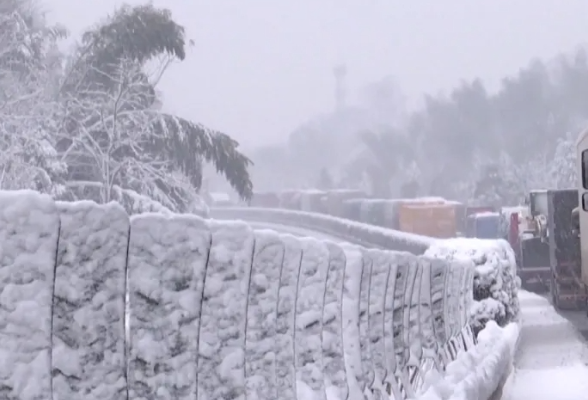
(176, 306)
(496, 285)
(478, 373)
(348, 230)
(89, 302)
(29, 226)
(166, 266)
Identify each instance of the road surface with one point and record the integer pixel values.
(552, 358)
(294, 230)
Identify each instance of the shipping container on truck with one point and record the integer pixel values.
(434, 220)
(484, 225)
(392, 212)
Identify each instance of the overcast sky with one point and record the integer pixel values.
(261, 67)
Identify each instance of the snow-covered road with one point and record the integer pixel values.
(293, 230)
(552, 358)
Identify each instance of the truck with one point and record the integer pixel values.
(567, 287)
(534, 266)
(567, 233)
(485, 225)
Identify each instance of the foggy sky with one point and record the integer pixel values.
(261, 67)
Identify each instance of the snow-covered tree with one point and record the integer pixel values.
(563, 171)
(499, 183)
(106, 140)
(114, 137)
(28, 68)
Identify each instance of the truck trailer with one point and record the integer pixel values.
(567, 234)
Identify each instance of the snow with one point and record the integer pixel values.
(309, 309)
(293, 230)
(331, 337)
(565, 383)
(495, 282)
(552, 356)
(219, 197)
(486, 214)
(260, 357)
(380, 273)
(408, 321)
(392, 367)
(89, 302)
(175, 306)
(286, 316)
(477, 373)
(437, 272)
(221, 358)
(364, 342)
(166, 266)
(29, 224)
(351, 231)
(350, 313)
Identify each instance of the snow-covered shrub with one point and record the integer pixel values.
(495, 281)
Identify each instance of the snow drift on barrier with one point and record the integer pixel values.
(97, 305)
(348, 230)
(496, 284)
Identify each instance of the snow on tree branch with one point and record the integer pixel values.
(27, 156)
(107, 139)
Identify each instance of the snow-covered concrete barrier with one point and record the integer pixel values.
(95, 304)
(29, 231)
(493, 312)
(88, 357)
(496, 284)
(348, 230)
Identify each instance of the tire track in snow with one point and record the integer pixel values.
(301, 232)
(552, 358)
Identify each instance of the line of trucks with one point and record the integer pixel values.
(552, 254)
(546, 233)
(429, 216)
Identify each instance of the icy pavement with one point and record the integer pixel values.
(552, 358)
(294, 230)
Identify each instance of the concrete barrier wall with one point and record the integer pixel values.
(348, 230)
(97, 305)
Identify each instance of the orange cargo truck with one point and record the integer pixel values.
(434, 220)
